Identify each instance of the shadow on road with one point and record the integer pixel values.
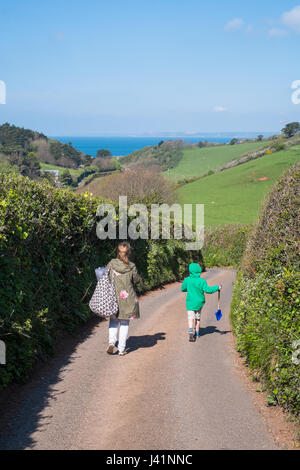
(212, 329)
(21, 405)
(145, 341)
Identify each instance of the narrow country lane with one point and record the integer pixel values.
(166, 393)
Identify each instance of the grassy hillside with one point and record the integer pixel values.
(199, 161)
(74, 172)
(165, 155)
(265, 307)
(234, 196)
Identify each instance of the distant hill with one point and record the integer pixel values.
(165, 155)
(16, 142)
(12, 136)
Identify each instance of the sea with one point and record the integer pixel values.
(120, 146)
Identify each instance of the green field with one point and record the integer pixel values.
(48, 166)
(74, 172)
(235, 195)
(199, 161)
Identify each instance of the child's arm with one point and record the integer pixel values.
(184, 286)
(210, 289)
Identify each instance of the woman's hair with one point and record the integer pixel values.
(123, 252)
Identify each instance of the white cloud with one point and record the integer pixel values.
(219, 109)
(276, 32)
(291, 19)
(234, 25)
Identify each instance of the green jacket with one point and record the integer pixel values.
(125, 276)
(195, 287)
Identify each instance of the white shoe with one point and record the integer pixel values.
(122, 353)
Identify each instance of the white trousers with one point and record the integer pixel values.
(114, 324)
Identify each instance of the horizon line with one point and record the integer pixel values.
(167, 134)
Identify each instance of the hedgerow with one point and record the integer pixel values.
(225, 245)
(48, 253)
(266, 299)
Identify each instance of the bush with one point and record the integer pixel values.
(140, 185)
(264, 314)
(104, 163)
(278, 145)
(225, 245)
(265, 306)
(65, 178)
(7, 167)
(48, 253)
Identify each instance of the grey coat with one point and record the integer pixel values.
(125, 276)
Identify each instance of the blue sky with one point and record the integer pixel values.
(92, 67)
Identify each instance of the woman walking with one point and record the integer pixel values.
(124, 274)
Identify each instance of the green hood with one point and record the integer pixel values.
(195, 270)
(196, 288)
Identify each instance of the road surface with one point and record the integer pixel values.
(166, 393)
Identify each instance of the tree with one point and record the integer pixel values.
(47, 175)
(87, 160)
(102, 153)
(233, 141)
(200, 144)
(291, 129)
(65, 155)
(65, 178)
(30, 165)
(278, 145)
(104, 163)
(141, 185)
(260, 137)
(117, 163)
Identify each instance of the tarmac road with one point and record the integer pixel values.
(166, 393)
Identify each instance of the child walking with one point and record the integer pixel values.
(195, 287)
(125, 278)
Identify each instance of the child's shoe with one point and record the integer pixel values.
(191, 336)
(110, 349)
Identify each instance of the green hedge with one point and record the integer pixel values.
(48, 253)
(225, 245)
(266, 299)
